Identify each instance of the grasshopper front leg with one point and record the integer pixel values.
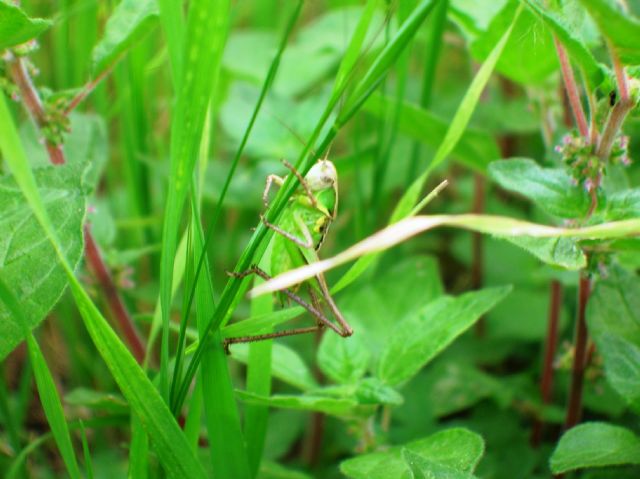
(267, 187)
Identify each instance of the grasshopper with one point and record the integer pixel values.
(299, 234)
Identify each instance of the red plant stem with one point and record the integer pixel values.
(122, 316)
(546, 381)
(29, 95)
(33, 105)
(618, 113)
(574, 406)
(477, 256)
(87, 89)
(572, 90)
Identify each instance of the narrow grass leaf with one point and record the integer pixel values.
(170, 443)
(46, 387)
(205, 39)
(405, 229)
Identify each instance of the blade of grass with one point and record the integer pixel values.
(268, 82)
(173, 24)
(408, 227)
(138, 450)
(88, 463)
(205, 39)
(169, 441)
(407, 204)
(47, 391)
(227, 445)
(434, 46)
(258, 379)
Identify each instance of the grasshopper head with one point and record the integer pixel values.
(322, 175)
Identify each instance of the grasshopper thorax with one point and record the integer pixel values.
(322, 175)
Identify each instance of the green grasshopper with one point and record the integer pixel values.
(299, 234)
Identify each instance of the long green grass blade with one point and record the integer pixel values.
(407, 204)
(173, 450)
(46, 387)
(205, 39)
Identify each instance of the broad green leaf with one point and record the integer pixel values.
(372, 390)
(395, 291)
(550, 189)
(595, 444)
(623, 205)
(621, 28)
(529, 56)
(173, 450)
(454, 387)
(16, 27)
(341, 407)
(421, 336)
(273, 470)
(560, 252)
(475, 16)
(28, 262)
(423, 468)
(286, 365)
(563, 27)
(345, 360)
(613, 315)
(458, 449)
(130, 21)
(475, 149)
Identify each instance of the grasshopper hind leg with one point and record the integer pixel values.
(322, 320)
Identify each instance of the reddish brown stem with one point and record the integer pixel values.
(32, 103)
(87, 89)
(119, 310)
(572, 90)
(477, 256)
(551, 341)
(574, 406)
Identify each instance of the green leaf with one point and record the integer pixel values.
(529, 56)
(613, 316)
(550, 189)
(595, 445)
(28, 262)
(287, 365)
(341, 407)
(623, 205)
(97, 401)
(457, 449)
(373, 391)
(560, 252)
(47, 391)
(622, 29)
(173, 450)
(475, 149)
(562, 24)
(345, 360)
(129, 23)
(16, 27)
(422, 468)
(421, 336)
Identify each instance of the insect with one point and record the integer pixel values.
(299, 234)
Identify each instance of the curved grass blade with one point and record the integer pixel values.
(172, 447)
